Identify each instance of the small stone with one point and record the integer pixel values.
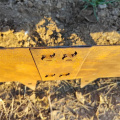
(62, 18)
(102, 6)
(49, 14)
(116, 12)
(102, 13)
(61, 27)
(5, 20)
(87, 12)
(19, 3)
(6, 28)
(21, 10)
(57, 15)
(59, 5)
(56, 21)
(30, 4)
(115, 17)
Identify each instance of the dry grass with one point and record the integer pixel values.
(61, 100)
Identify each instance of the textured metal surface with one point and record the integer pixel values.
(18, 65)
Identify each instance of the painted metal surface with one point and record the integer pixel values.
(27, 65)
(101, 62)
(18, 65)
(59, 63)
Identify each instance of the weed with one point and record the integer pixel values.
(95, 3)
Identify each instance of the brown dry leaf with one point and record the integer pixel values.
(80, 97)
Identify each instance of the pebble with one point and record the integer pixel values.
(57, 15)
(102, 6)
(115, 17)
(59, 5)
(6, 28)
(30, 4)
(87, 12)
(102, 13)
(61, 17)
(56, 21)
(49, 14)
(61, 26)
(116, 12)
(20, 4)
(5, 20)
(21, 10)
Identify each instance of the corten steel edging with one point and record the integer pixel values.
(27, 65)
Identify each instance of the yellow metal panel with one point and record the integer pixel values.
(87, 63)
(18, 65)
(102, 61)
(59, 63)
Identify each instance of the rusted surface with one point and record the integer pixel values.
(18, 65)
(88, 63)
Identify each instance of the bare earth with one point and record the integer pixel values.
(35, 23)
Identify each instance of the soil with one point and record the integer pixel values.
(35, 23)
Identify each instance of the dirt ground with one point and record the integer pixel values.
(35, 23)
